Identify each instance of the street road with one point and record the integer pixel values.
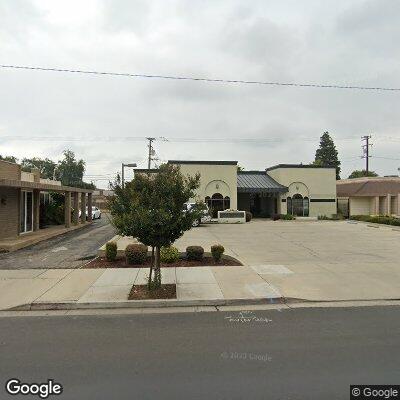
(308, 353)
(68, 251)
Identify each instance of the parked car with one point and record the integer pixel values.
(96, 213)
(203, 211)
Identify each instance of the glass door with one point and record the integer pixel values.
(26, 214)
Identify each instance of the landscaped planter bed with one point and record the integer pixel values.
(140, 292)
(101, 262)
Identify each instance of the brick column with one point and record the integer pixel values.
(36, 209)
(75, 215)
(83, 208)
(376, 205)
(90, 206)
(388, 204)
(67, 209)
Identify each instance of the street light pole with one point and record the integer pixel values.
(132, 165)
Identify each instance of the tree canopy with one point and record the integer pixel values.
(327, 155)
(362, 173)
(9, 158)
(151, 208)
(44, 165)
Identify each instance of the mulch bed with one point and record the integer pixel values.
(140, 292)
(101, 262)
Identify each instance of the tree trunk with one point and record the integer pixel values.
(151, 268)
(157, 269)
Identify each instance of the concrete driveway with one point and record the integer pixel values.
(67, 251)
(312, 260)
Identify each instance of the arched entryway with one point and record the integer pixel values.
(298, 205)
(217, 202)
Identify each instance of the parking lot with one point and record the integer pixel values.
(318, 260)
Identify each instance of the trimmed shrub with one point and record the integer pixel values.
(249, 216)
(169, 254)
(217, 250)
(111, 251)
(135, 253)
(288, 217)
(377, 219)
(194, 253)
(276, 217)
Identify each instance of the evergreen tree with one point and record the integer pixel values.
(327, 155)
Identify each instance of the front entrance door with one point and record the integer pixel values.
(26, 212)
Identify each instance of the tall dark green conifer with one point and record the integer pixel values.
(327, 155)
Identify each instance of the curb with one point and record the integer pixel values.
(146, 304)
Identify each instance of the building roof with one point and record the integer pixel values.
(368, 187)
(13, 183)
(258, 182)
(202, 162)
(296, 166)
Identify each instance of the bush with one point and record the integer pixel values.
(111, 251)
(287, 217)
(194, 253)
(249, 216)
(169, 254)
(217, 250)
(275, 217)
(377, 219)
(335, 217)
(135, 253)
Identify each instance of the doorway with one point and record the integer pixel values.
(26, 212)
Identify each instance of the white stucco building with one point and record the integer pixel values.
(302, 190)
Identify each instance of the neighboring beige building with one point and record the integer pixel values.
(311, 189)
(21, 194)
(369, 196)
(302, 190)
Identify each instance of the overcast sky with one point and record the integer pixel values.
(345, 42)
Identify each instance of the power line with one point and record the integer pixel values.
(210, 80)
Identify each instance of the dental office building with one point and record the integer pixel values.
(301, 190)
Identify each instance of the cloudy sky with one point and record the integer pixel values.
(344, 42)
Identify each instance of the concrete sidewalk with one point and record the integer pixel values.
(96, 288)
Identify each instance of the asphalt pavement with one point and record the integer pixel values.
(308, 353)
(68, 251)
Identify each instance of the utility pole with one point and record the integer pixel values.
(365, 148)
(151, 152)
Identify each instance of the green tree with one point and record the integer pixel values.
(45, 166)
(362, 173)
(70, 171)
(151, 209)
(327, 155)
(9, 158)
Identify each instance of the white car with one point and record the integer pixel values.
(206, 217)
(96, 213)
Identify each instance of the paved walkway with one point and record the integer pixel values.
(268, 282)
(68, 251)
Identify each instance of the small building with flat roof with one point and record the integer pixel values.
(369, 196)
(21, 194)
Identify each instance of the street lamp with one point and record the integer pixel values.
(132, 165)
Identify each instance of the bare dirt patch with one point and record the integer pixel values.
(141, 292)
(101, 262)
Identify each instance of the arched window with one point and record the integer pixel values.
(208, 201)
(217, 204)
(297, 205)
